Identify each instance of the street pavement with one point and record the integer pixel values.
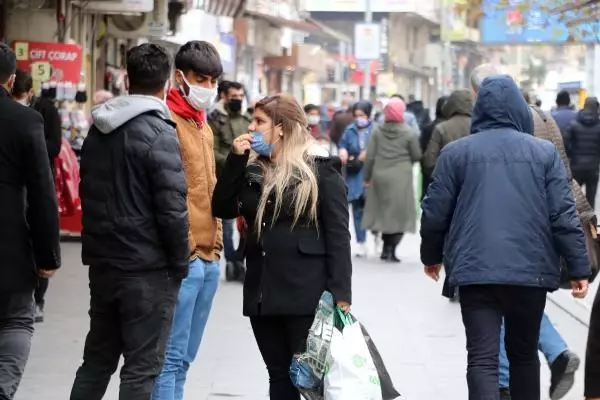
(418, 333)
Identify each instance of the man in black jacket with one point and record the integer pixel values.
(135, 231)
(582, 142)
(23, 93)
(29, 239)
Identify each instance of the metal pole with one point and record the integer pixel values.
(367, 69)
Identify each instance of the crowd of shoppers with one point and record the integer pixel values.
(168, 169)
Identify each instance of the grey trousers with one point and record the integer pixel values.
(16, 329)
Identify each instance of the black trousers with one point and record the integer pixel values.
(483, 307)
(16, 329)
(592, 354)
(130, 314)
(278, 339)
(391, 239)
(589, 179)
(40, 291)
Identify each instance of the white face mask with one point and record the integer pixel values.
(199, 97)
(314, 119)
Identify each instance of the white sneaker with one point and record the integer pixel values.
(378, 244)
(361, 250)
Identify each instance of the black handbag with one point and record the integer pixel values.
(592, 244)
(353, 166)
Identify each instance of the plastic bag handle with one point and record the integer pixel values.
(345, 318)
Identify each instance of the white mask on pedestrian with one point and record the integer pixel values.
(314, 119)
(199, 97)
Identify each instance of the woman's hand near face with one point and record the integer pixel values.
(242, 144)
(343, 156)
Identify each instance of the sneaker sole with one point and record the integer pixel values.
(567, 381)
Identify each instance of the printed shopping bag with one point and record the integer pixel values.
(388, 391)
(352, 374)
(308, 366)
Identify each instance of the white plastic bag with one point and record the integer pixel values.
(352, 374)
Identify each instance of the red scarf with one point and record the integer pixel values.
(180, 106)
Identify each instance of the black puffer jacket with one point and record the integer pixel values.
(582, 139)
(133, 190)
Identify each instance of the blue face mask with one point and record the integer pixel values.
(260, 146)
(362, 122)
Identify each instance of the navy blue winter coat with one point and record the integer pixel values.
(499, 209)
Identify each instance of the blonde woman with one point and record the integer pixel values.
(293, 198)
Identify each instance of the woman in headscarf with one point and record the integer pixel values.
(352, 152)
(390, 202)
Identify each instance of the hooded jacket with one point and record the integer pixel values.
(457, 111)
(582, 139)
(499, 209)
(133, 190)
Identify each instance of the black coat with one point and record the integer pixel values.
(29, 227)
(133, 196)
(582, 141)
(289, 268)
(52, 125)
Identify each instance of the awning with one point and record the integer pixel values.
(304, 25)
(225, 8)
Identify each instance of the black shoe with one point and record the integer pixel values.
(391, 257)
(240, 271)
(230, 271)
(563, 374)
(39, 313)
(504, 394)
(385, 253)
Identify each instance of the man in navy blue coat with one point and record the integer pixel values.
(498, 214)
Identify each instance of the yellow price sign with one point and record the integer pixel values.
(41, 71)
(22, 51)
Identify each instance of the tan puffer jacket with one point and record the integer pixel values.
(545, 128)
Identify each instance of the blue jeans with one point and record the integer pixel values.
(189, 320)
(228, 246)
(357, 215)
(551, 344)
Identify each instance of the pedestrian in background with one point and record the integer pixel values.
(24, 94)
(390, 201)
(504, 264)
(353, 152)
(229, 120)
(425, 138)
(197, 68)
(564, 112)
(29, 227)
(582, 142)
(293, 198)
(135, 231)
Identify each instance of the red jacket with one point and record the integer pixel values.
(66, 180)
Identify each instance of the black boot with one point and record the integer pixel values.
(39, 312)
(385, 252)
(392, 255)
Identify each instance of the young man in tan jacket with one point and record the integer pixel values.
(197, 69)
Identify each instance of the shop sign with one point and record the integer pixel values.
(59, 62)
(367, 41)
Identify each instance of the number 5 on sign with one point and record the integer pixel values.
(22, 51)
(40, 71)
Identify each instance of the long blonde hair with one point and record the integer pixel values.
(294, 167)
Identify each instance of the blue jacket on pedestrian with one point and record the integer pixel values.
(499, 209)
(354, 141)
(563, 117)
